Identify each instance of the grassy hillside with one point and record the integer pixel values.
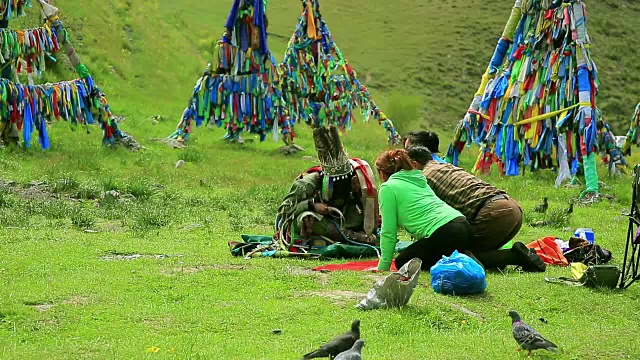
(153, 276)
(148, 54)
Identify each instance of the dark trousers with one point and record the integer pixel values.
(454, 235)
(497, 222)
(457, 235)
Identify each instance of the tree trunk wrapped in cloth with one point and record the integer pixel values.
(319, 84)
(27, 108)
(240, 90)
(542, 101)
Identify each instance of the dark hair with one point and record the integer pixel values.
(392, 161)
(428, 139)
(419, 154)
(418, 137)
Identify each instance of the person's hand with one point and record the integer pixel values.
(307, 226)
(321, 208)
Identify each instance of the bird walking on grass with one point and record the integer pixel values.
(527, 338)
(570, 209)
(355, 353)
(542, 208)
(338, 344)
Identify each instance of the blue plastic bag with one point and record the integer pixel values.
(458, 275)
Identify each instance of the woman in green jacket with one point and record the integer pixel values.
(407, 201)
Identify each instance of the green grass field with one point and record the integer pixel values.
(68, 293)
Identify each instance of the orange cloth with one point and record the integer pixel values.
(549, 251)
(312, 32)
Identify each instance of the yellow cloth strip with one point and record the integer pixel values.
(531, 133)
(483, 115)
(548, 115)
(483, 84)
(475, 166)
(508, 32)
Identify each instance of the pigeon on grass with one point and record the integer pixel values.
(352, 354)
(570, 209)
(527, 338)
(542, 208)
(338, 344)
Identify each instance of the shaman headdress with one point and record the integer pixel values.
(333, 158)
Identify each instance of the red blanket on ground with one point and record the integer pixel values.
(368, 265)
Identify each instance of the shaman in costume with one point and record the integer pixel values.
(334, 202)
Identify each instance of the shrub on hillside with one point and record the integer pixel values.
(6, 200)
(191, 155)
(82, 218)
(87, 191)
(151, 218)
(404, 111)
(142, 189)
(110, 183)
(65, 185)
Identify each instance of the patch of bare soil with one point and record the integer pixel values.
(192, 227)
(338, 297)
(323, 278)
(74, 300)
(199, 268)
(112, 226)
(77, 300)
(158, 323)
(172, 143)
(300, 271)
(129, 256)
(466, 311)
(43, 307)
(35, 190)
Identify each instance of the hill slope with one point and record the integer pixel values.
(148, 54)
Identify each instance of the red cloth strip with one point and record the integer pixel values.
(370, 187)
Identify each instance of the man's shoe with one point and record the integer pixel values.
(528, 260)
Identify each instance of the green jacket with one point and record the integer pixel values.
(407, 200)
